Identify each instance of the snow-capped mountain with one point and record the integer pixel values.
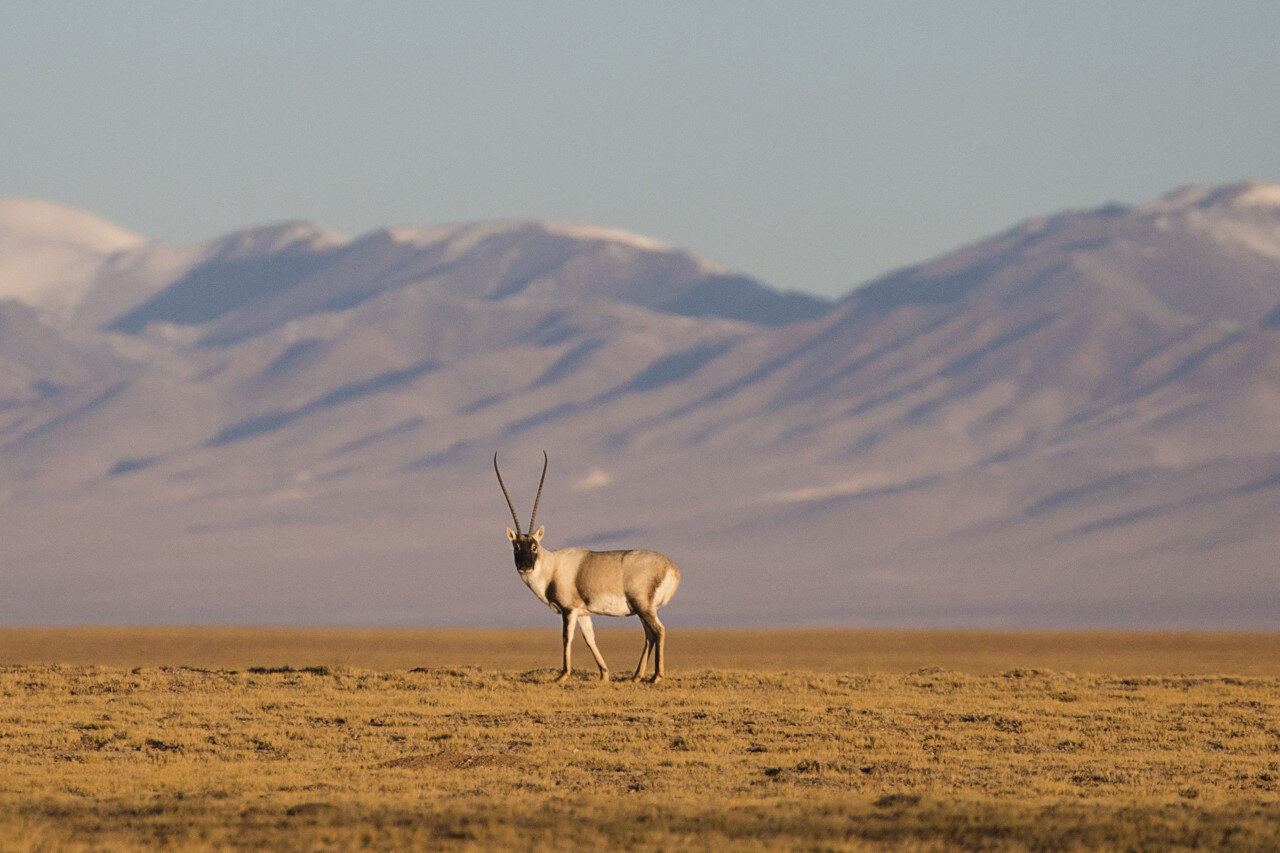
(49, 253)
(1075, 422)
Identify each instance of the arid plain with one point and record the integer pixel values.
(198, 738)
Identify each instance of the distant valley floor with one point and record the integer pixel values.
(689, 650)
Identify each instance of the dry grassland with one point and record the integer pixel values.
(277, 745)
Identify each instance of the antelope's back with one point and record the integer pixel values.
(639, 576)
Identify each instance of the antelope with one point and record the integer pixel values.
(577, 583)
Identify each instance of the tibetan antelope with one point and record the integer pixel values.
(576, 583)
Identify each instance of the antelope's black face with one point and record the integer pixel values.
(525, 547)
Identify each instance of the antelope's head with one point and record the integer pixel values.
(526, 546)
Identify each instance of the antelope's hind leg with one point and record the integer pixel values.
(658, 642)
(589, 634)
(644, 655)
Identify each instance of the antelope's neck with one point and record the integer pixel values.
(540, 577)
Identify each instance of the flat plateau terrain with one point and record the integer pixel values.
(187, 738)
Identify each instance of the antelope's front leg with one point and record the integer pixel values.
(570, 622)
(589, 634)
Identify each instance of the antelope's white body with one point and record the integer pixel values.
(577, 583)
(608, 583)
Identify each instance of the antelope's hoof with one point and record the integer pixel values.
(562, 678)
(655, 679)
(604, 676)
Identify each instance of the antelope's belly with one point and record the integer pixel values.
(607, 604)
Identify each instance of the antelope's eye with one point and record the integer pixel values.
(534, 547)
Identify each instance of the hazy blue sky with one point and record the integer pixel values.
(814, 145)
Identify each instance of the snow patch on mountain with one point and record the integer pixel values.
(49, 251)
(43, 221)
(1259, 195)
(1250, 195)
(583, 231)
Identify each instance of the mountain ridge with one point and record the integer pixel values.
(1072, 416)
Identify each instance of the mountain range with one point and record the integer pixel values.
(1073, 423)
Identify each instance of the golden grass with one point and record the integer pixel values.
(137, 750)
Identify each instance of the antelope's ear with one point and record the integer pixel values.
(511, 534)
(537, 534)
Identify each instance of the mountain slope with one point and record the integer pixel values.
(1076, 422)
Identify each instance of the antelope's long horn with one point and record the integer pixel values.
(510, 505)
(534, 516)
